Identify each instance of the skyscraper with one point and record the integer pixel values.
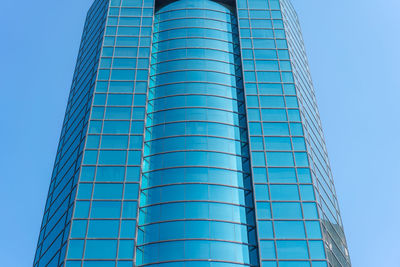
(192, 138)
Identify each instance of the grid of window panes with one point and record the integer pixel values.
(333, 228)
(58, 211)
(199, 172)
(196, 206)
(104, 220)
(288, 221)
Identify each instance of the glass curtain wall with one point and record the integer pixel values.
(196, 206)
(287, 214)
(56, 224)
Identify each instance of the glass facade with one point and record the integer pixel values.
(192, 138)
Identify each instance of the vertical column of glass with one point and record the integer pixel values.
(104, 221)
(53, 239)
(196, 204)
(329, 209)
(288, 221)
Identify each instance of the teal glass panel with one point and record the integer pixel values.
(125, 249)
(85, 191)
(90, 157)
(289, 229)
(101, 263)
(114, 141)
(317, 250)
(298, 143)
(301, 159)
(282, 175)
(304, 175)
(263, 210)
(107, 191)
(275, 129)
(82, 209)
(280, 159)
(78, 229)
(129, 210)
(265, 229)
(261, 192)
(292, 249)
(110, 174)
(310, 211)
(267, 250)
(287, 210)
(106, 209)
(128, 229)
(294, 263)
(101, 249)
(260, 175)
(278, 143)
(87, 174)
(112, 157)
(93, 141)
(313, 229)
(73, 264)
(319, 264)
(269, 264)
(284, 192)
(103, 229)
(75, 249)
(273, 115)
(307, 192)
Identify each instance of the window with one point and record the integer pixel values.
(129, 210)
(289, 229)
(101, 249)
(109, 174)
(114, 141)
(82, 209)
(119, 100)
(276, 129)
(313, 229)
(265, 229)
(263, 210)
(262, 192)
(284, 192)
(310, 211)
(119, 113)
(267, 250)
(292, 249)
(260, 175)
(276, 159)
(116, 127)
(78, 229)
(278, 143)
(75, 249)
(286, 210)
(272, 102)
(106, 209)
(112, 157)
(107, 191)
(125, 249)
(103, 229)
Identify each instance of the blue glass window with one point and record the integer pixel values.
(287, 210)
(103, 228)
(101, 249)
(292, 249)
(289, 229)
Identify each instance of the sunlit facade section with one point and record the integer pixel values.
(192, 139)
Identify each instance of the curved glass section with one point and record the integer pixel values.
(196, 206)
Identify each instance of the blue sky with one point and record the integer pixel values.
(353, 49)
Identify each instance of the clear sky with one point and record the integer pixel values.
(353, 48)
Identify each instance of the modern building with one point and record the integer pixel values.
(192, 139)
